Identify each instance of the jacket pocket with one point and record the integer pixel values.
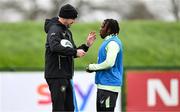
(59, 61)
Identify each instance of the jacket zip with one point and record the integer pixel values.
(59, 60)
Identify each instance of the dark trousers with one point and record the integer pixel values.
(61, 94)
(106, 100)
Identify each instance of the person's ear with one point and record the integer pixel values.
(108, 31)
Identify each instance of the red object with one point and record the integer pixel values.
(153, 91)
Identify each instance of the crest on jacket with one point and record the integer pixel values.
(66, 43)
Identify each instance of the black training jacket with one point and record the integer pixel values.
(60, 50)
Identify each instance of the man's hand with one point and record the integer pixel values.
(80, 53)
(91, 38)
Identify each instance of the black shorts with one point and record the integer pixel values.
(61, 94)
(106, 100)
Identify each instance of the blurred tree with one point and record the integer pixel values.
(11, 5)
(56, 4)
(79, 5)
(30, 10)
(176, 9)
(34, 11)
(30, 13)
(124, 9)
(86, 7)
(139, 11)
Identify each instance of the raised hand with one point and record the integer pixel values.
(91, 38)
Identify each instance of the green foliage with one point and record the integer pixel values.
(151, 43)
(22, 45)
(146, 43)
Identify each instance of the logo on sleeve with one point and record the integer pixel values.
(66, 43)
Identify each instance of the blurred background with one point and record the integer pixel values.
(150, 31)
(93, 10)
